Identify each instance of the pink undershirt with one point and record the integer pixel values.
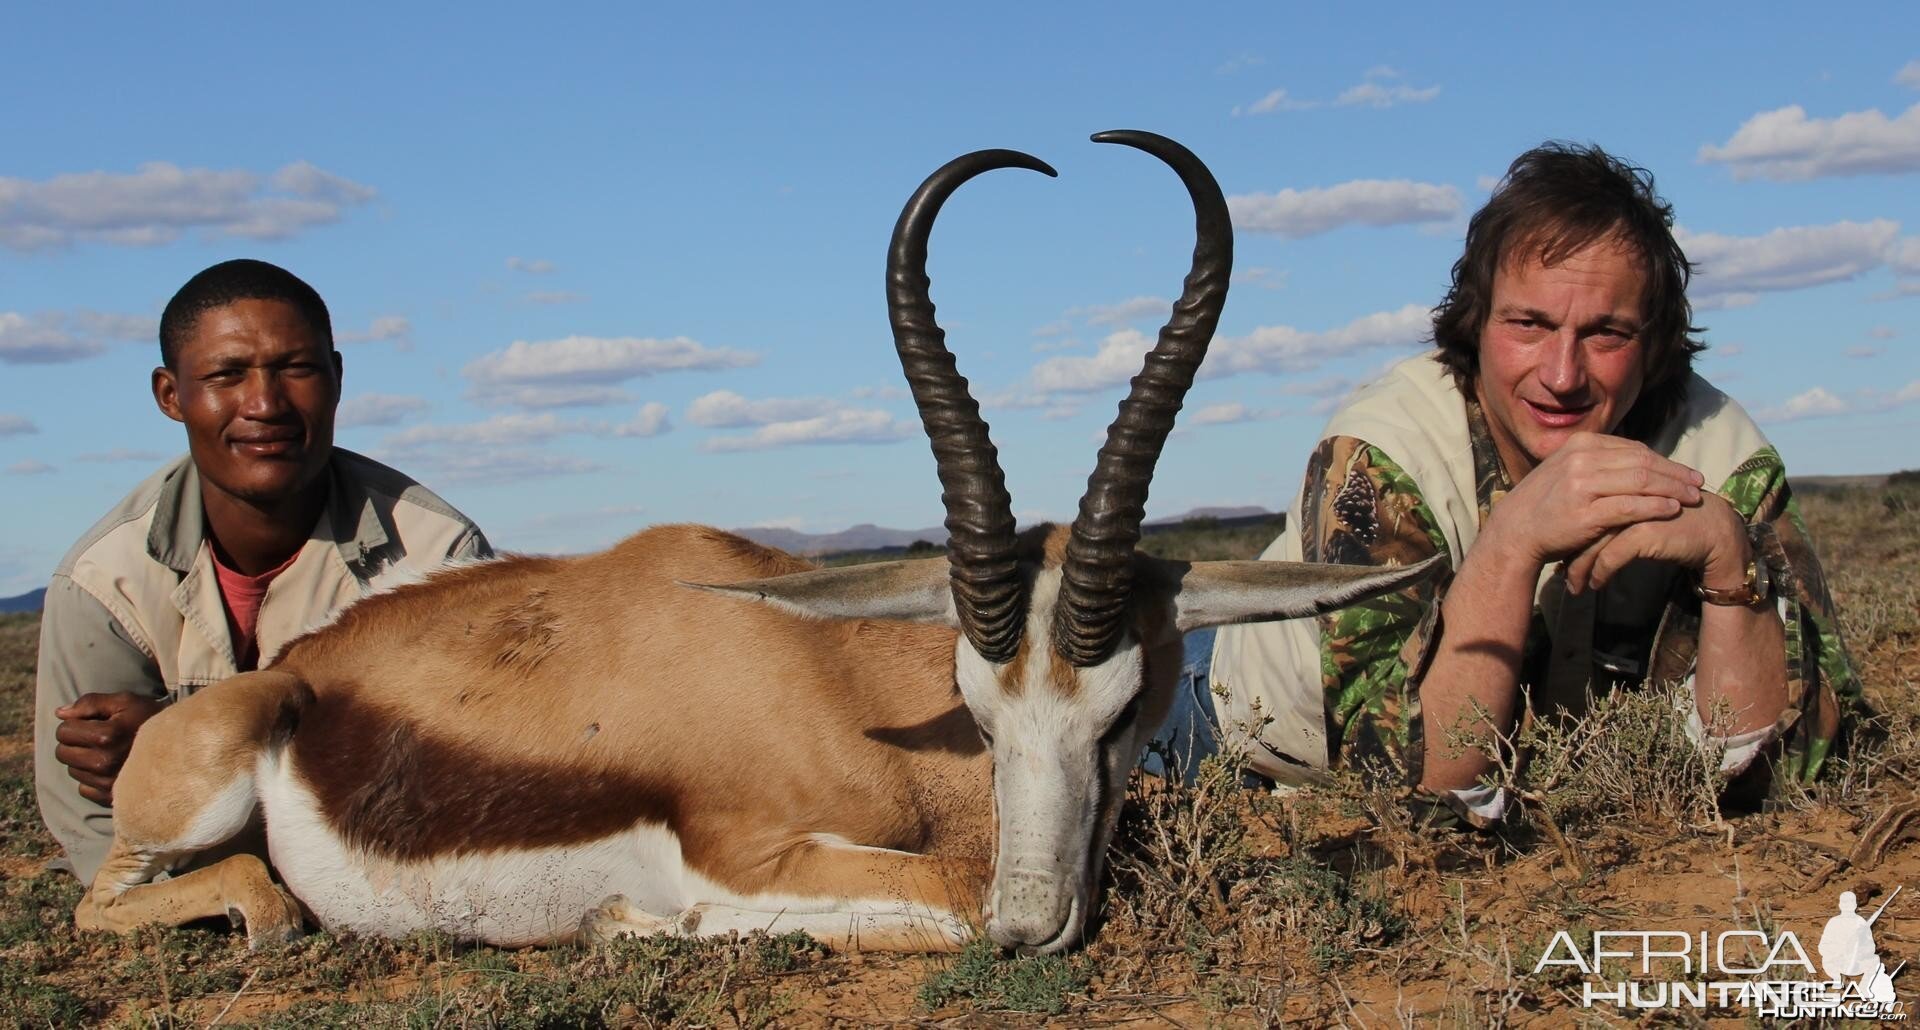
(241, 595)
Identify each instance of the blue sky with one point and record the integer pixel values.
(596, 268)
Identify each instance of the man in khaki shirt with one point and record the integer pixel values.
(214, 563)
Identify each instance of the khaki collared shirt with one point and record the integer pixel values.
(135, 606)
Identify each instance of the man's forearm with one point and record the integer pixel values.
(1471, 689)
(1740, 684)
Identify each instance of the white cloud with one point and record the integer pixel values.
(1297, 213)
(1270, 349)
(1862, 352)
(1373, 94)
(516, 429)
(1815, 403)
(1703, 301)
(597, 360)
(304, 179)
(119, 454)
(108, 326)
(884, 393)
(42, 340)
(29, 467)
(1130, 310)
(1278, 100)
(1908, 75)
(1787, 145)
(1284, 349)
(845, 425)
(509, 465)
(531, 266)
(16, 425)
(1883, 332)
(385, 327)
(1726, 350)
(1223, 414)
(160, 201)
(650, 420)
(1732, 268)
(51, 337)
(377, 409)
(1118, 359)
(549, 396)
(1819, 402)
(1262, 278)
(555, 297)
(498, 431)
(1014, 400)
(724, 409)
(1905, 256)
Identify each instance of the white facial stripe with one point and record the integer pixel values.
(1050, 774)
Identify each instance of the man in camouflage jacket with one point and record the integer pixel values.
(1609, 518)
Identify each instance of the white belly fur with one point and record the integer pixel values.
(528, 896)
(508, 898)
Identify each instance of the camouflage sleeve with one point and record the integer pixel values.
(1359, 508)
(1820, 676)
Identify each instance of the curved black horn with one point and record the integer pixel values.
(1097, 577)
(980, 525)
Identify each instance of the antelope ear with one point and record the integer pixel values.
(1222, 593)
(917, 590)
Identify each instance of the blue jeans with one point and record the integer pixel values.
(1191, 732)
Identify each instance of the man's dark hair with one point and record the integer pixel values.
(229, 281)
(1556, 199)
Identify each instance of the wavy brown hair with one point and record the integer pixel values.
(1556, 199)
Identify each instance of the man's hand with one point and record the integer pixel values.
(95, 733)
(1710, 538)
(1593, 486)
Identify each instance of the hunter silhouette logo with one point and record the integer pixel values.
(1847, 952)
(1769, 974)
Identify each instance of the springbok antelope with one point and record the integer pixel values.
(538, 748)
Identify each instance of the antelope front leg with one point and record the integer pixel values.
(848, 897)
(237, 887)
(188, 787)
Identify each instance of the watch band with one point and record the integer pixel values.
(1754, 591)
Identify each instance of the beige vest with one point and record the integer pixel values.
(1416, 415)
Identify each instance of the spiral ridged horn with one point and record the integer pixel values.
(1097, 576)
(980, 524)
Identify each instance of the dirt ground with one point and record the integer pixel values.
(1227, 906)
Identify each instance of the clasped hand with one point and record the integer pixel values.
(1601, 502)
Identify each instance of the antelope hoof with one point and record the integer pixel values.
(274, 925)
(617, 917)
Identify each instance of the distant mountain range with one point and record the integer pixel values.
(869, 537)
(27, 602)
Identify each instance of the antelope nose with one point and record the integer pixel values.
(1034, 912)
(1023, 935)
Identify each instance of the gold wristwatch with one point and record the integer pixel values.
(1756, 590)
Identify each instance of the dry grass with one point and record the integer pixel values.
(1335, 905)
